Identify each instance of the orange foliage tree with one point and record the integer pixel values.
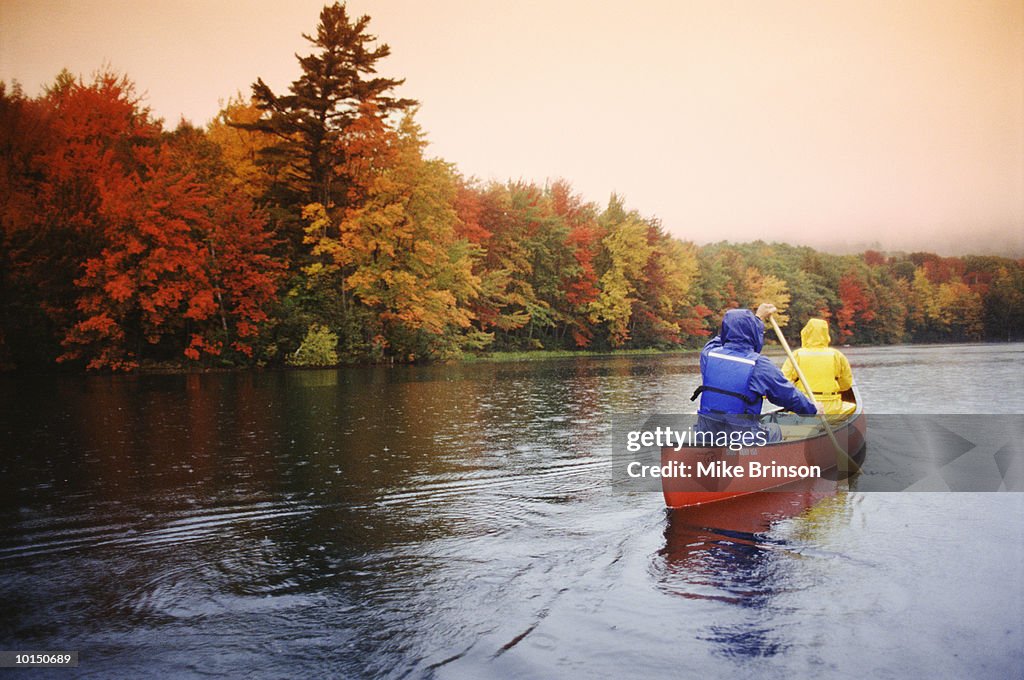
(129, 255)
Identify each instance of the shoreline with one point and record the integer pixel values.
(525, 356)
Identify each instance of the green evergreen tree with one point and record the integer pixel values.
(337, 78)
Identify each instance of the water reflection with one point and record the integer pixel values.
(727, 552)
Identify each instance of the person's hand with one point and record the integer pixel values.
(819, 408)
(765, 310)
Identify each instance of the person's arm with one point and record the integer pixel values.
(789, 370)
(769, 381)
(844, 376)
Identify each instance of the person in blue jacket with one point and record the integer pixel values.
(736, 378)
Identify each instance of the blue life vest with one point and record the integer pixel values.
(726, 387)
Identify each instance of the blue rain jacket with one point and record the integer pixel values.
(731, 361)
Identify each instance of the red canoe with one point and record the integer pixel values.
(718, 473)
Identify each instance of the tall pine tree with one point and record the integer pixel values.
(338, 77)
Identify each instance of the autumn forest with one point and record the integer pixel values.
(310, 227)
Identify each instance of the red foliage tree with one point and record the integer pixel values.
(93, 133)
(244, 275)
(25, 136)
(854, 304)
(178, 265)
(122, 248)
(873, 258)
(694, 324)
(580, 283)
(468, 207)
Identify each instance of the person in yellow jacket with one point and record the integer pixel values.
(827, 370)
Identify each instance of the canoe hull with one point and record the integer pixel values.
(816, 450)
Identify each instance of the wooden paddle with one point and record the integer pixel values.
(850, 463)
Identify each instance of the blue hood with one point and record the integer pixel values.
(742, 330)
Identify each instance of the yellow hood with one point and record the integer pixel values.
(815, 334)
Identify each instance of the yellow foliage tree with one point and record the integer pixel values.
(395, 250)
(241, 147)
(767, 288)
(628, 251)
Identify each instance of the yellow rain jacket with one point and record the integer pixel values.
(826, 369)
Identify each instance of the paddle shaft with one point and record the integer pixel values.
(810, 395)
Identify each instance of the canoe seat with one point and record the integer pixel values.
(791, 432)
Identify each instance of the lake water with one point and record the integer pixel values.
(460, 522)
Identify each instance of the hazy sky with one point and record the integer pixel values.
(829, 123)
